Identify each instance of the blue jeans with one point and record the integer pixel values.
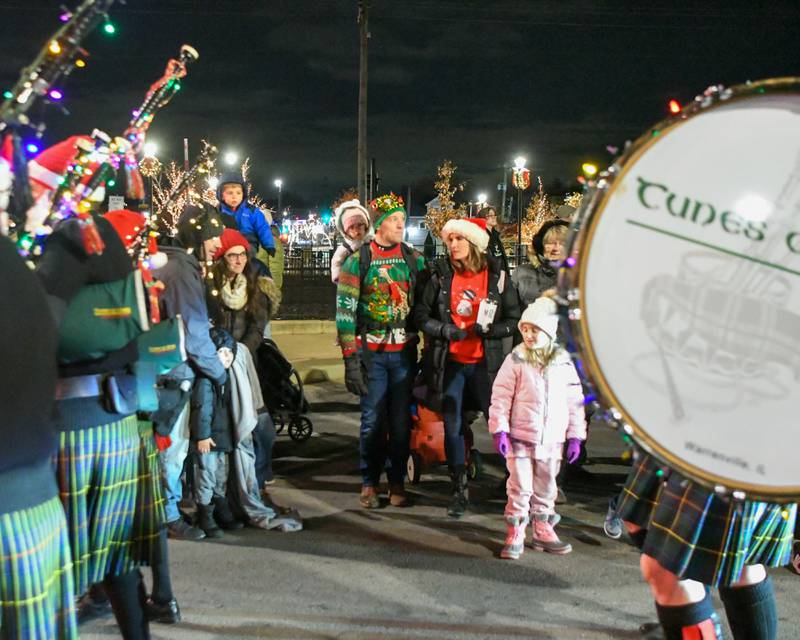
(458, 378)
(385, 416)
(172, 460)
(263, 440)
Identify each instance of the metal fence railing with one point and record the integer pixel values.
(307, 262)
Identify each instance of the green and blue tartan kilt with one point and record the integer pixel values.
(36, 587)
(98, 477)
(696, 534)
(149, 517)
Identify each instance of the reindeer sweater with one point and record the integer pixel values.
(379, 304)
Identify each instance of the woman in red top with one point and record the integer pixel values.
(462, 356)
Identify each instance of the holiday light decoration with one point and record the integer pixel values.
(446, 190)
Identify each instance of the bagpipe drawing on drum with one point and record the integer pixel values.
(682, 289)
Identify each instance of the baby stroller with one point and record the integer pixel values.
(282, 389)
(427, 444)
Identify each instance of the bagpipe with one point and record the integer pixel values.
(682, 290)
(60, 55)
(99, 158)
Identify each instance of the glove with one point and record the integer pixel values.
(163, 442)
(452, 333)
(501, 443)
(482, 332)
(573, 449)
(353, 376)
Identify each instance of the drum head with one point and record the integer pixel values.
(686, 292)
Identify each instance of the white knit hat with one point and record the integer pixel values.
(347, 211)
(542, 313)
(473, 229)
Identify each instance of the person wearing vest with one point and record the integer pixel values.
(37, 590)
(198, 238)
(374, 302)
(99, 298)
(461, 356)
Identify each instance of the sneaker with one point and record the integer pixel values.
(182, 530)
(369, 497)
(397, 494)
(515, 538)
(613, 524)
(87, 608)
(545, 538)
(167, 613)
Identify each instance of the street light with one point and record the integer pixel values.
(279, 184)
(481, 199)
(231, 158)
(521, 180)
(150, 149)
(589, 169)
(519, 162)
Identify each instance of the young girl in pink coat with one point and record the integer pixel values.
(537, 405)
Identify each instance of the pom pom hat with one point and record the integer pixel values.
(384, 206)
(129, 226)
(473, 229)
(231, 238)
(542, 313)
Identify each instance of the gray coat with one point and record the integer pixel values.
(532, 281)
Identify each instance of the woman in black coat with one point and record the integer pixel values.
(461, 356)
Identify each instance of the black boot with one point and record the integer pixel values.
(206, 522)
(223, 515)
(460, 500)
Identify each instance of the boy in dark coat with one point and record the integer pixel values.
(211, 432)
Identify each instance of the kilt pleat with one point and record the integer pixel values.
(36, 582)
(697, 534)
(98, 472)
(150, 516)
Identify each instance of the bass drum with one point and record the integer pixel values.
(683, 284)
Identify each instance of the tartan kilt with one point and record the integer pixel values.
(149, 516)
(696, 534)
(36, 588)
(98, 478)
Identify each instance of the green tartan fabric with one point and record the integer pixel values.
(36, 588)
(98, 477)
(696, 534)
(149, 516)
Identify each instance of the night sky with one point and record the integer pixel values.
(477, 82)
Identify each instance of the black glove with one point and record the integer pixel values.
(452, 333)
(481, 332)
(353, 376)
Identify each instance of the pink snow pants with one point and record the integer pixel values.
(531, 485)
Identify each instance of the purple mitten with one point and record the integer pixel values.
(573, 449)
(501, 443)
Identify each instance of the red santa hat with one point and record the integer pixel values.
(129, 225)
(231, 238)
(50, 165)
(473, 229)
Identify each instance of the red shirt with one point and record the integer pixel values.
(465, 297)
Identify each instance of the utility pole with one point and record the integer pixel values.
(363, 28)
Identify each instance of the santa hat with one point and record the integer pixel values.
(129, 226)
(231, 238)
(50, 165)
(542, 313)
(473, 229)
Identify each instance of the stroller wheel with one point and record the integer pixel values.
(475, 466)
(300, 428)
(279, 422)
(414, 467)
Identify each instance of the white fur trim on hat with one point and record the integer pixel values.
(342, 209)
(543, 313)
(468, 230)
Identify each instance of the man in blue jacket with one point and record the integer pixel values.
(232, 194)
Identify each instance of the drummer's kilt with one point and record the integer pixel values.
(149, 518)
(105, 483)
(36, 588)
(696, 534)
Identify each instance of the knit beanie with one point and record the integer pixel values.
(197, 224)
(384, 206)
(542, 313)
(473, 229)
(231, 238)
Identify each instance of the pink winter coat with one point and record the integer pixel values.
(542, 408)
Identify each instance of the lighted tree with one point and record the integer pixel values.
(446, 190)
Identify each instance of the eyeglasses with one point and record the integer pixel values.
(236, 256)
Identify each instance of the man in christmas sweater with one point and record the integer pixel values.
(374, 299)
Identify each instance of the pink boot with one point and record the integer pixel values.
(545, 538)
(515, 537)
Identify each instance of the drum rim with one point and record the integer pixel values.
(573, 277)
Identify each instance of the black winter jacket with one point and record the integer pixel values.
(432, 313)
(209, 416)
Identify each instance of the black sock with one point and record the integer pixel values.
(127, 596)
(751, 611)
(701, 615)
(97, 593)
(162, 583)
(637, 537)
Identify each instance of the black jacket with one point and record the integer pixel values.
(247, 329)
(432, 313)
(496, 248)
(210, 416)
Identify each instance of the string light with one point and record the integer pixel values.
(54, 48)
